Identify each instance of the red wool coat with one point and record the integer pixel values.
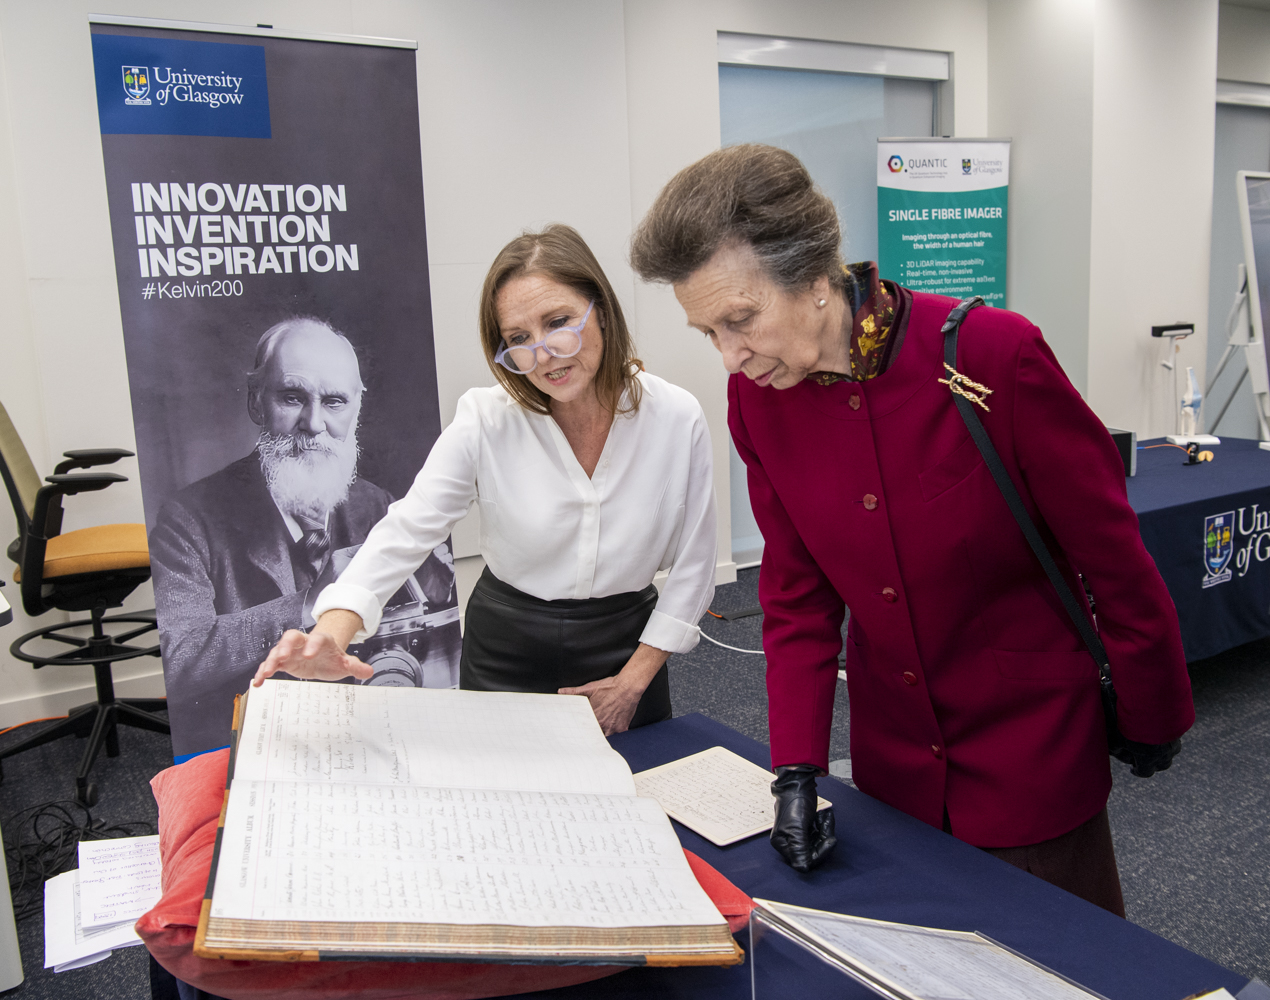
(970, 688)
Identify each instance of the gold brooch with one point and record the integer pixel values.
(963, 386)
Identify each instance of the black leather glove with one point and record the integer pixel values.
(1146, 758)
(800, 835)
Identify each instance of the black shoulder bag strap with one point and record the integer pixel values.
(962, 397)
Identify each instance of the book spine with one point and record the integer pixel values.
(240, 705)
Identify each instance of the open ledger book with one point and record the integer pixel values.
(389, 822)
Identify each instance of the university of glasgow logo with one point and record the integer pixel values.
(136, 85)
(965, 166)
(1218, 547)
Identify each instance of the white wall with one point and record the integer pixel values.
(1155, 72)
(1110, 104)
(62, 375)
(1243, 44)
(531, 112)
(1041, 95)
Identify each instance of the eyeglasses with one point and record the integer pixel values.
(562, 342)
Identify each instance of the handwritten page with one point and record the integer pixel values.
(118, 879)
(923, 963)
(716, 793)
(338, 852)
(426, 736)
(67, 943)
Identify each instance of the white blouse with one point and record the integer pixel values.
(546, 528)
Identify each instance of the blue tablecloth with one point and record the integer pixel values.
(1220, 582)
(891, 867)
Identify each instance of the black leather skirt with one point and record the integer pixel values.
(515, 642)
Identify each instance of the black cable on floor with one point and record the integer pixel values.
(42, 841)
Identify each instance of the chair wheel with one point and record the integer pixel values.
(86, 795)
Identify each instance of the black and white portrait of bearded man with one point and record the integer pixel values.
(305, 394)
(240, 556)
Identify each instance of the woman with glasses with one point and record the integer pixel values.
(591, 475)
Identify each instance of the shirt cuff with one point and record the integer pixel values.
(350, 597)
(670, 634)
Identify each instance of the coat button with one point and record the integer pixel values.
(937, 750)
(854, 401)
(910, 677)
(889, 595)
(870, 502)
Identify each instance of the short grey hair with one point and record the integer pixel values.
(267, 345)
(753, 195)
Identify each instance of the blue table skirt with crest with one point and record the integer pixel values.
(1208, 528)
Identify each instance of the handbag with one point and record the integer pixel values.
(1117, 745)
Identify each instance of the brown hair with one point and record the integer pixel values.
(759, 196)
(560, 253)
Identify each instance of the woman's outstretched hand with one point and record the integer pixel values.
(319, 655)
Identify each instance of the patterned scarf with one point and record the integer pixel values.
(878, 310)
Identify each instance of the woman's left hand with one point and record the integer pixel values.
(614, 699)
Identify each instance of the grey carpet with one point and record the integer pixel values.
(1192, 843)
(48, 773)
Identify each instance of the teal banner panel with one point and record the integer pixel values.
(943, 214)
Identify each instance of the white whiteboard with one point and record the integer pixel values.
(1253, 190)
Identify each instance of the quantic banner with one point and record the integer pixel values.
(266, 207)
(943, 208)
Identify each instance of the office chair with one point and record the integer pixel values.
(91, 570)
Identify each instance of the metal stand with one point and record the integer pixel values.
(1241, 337)
(96, 721)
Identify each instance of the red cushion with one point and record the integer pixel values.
(190, 796)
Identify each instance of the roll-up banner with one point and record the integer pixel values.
(266, 207)
(943, 205)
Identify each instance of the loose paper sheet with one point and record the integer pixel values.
(334, 851)
(67, 944)
(426, 736)
(716, 793)
(119, 879)
(924, 963)
(80, 963)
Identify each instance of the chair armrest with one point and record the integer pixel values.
(80, 482)
(46, 522)
(86, 458)
(46, 519)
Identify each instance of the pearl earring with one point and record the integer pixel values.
(820, 303)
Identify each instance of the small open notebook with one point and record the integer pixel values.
(389, 822)
(716, 793)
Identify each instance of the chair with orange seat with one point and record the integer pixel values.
(93, 570)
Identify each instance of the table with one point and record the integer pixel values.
(890, 866)
(1220, 583)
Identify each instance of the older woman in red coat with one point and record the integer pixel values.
(974, 704)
